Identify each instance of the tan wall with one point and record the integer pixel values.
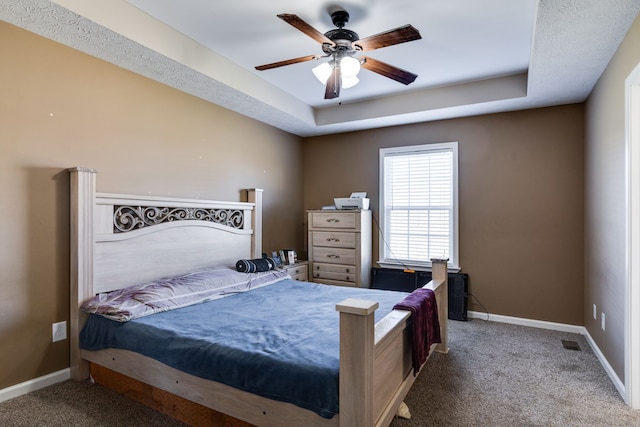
(521, 201)
(60, 108)
(605, 200)
(521, 185)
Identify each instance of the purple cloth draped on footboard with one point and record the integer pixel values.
(424, 323)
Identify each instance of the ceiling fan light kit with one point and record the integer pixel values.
(349, 69)
(340, 45)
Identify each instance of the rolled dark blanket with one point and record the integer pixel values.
(255, 265)
(424, 323)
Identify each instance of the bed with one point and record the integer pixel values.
(121, 240)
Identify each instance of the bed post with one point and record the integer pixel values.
(82, 197)
(357, 340)
(254, 195)
(439, 273)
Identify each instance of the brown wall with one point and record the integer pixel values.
(605, 200)
(60, 108)
(520, 195)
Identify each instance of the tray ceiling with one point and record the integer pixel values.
(473, 58)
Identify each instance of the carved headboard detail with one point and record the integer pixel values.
(128, 218)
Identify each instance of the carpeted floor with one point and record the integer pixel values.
(506, 375)
(494, 375)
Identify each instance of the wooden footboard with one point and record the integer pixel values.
(375, 360)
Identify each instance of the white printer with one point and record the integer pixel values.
(357, 200)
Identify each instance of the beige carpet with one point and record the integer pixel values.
(505, 375)
(494, 375)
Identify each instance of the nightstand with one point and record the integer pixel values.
(297, 271)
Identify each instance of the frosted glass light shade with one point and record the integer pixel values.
(349, 81)
(322, 72)
(349, 66)
(349, 69)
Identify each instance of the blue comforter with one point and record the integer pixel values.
(280, 341)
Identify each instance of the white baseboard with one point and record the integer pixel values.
(562, 327)
(605, 364)
(540, 324)
(34, 384)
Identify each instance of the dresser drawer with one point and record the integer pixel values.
(334, 239)
(298, 271)
(343, 273)
(334, 255)
(302, 277)
(345, 220)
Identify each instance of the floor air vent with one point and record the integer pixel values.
(571, 345)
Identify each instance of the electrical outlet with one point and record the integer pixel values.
(595, 312)
(59, 331)
(602, 317)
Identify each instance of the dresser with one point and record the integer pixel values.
(340, 247)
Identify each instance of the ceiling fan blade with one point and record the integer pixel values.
(301, 25)
(334, 82)
(384, 69)
(398, 35)
(287, 62)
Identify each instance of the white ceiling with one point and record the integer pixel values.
(474, 57)
(490, 40)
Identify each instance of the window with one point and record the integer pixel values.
(419, 205)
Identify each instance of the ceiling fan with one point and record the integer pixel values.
(341, 45)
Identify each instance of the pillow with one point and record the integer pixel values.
(175, 292)
(255, 265)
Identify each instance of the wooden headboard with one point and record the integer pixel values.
(120, 240)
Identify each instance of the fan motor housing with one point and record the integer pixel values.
(342, 34)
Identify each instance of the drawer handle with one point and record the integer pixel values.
(332, 239)
(334, 256)
(333, 220)
(347, 279)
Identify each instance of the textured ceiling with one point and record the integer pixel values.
(568, 45)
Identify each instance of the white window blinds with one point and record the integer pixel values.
(418, 204)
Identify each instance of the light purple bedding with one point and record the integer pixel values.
(176, 292)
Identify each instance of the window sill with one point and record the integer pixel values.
(416, 267)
